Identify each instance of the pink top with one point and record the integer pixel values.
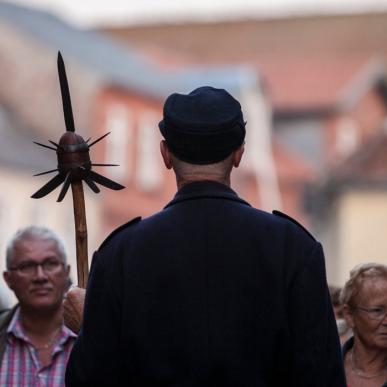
(21, 366)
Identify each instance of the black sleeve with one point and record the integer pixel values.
(95, 358)
(316, 359)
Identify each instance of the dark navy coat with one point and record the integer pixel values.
(208, 292)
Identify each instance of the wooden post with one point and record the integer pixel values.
(80, 232)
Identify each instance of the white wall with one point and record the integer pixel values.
(18, 210)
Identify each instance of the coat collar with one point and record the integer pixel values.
(205, 189)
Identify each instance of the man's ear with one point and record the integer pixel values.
(237, 157)
(7, 279)
(166, 153)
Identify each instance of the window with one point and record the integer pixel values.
(347, 136)
(120, 126)
(149, 163)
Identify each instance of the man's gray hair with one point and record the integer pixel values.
(34, 232)
(220, 169)
(357, 276)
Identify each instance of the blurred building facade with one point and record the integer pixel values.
(312, 104)
(113, 89)
(350, 207)
(325, 80)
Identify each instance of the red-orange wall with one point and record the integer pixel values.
(369, 114)
(120, 206)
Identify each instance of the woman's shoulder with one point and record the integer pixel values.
(347, 346)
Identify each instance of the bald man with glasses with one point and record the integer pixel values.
(34, 343)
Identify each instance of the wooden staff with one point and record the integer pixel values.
(80, 232)
(74, 166)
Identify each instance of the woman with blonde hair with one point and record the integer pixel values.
(364, 300)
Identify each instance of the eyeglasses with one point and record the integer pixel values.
(376, 313)
(49, 266)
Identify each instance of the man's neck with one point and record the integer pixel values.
(41, 323)
(182, 181)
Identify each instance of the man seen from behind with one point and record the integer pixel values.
(209, 291)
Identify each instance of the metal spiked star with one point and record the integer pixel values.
(74, 166)
(73, 152)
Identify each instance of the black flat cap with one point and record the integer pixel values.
(203, 127)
